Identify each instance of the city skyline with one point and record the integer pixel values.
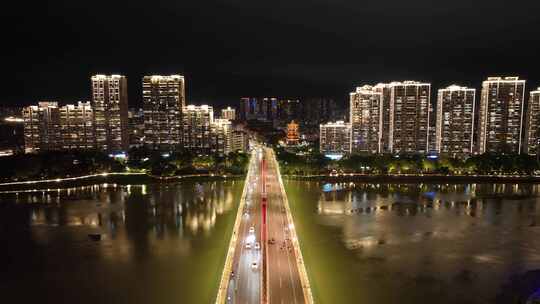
(272, 152)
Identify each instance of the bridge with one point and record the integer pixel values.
(264, 263)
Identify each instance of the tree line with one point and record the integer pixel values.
(485, 164)
(61, 164)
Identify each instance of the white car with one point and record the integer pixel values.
(252, 229)
(257, 246)
(254, 265)
(248, 245)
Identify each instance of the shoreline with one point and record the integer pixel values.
(121, 178)
(432, 179)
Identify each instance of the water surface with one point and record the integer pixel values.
(418, 243)
(160, 244)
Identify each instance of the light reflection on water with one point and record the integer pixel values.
(459, 243)
(103, 206)
(176, 235)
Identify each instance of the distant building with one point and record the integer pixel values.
(293, 136)
(335, 139)
(366, 120)
(110, 106)
(41, 127)
(455, 121)
(288, 109)
(228, 113)
(76, 127)
(501, 115)
(256, 108)
(163, 101)
(197, 128)
(251, 108)
(316, 110)
(533, 123)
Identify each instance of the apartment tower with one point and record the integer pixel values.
(366, 114)
(110, 105)
(405, 116)
(163, 101)
(533, 123)
(500, 121)
(455, 121)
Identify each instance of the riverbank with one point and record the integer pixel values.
(425, 178)
(122, 178)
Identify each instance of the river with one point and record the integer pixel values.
(418, 243)
(362, 243)
(160, 244)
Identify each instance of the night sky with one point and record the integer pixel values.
(229, 49)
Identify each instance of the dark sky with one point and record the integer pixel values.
(228, 49)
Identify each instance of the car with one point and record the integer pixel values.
(254, 265)
(272, 241)
(251, 229)
(257, 246)
(248, 245)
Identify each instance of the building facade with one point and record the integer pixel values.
(77, 127)
(228, 113)
(163, 101)
(366, 120)
(455, 121)
(110, 106)
(335, 139)
(222, 132)
(197, 128)
(288, 109)
(41, 127)
(259, 108)
(405, 116)
(136, 127)
(501, 115)
(240, 141)
(533, 123)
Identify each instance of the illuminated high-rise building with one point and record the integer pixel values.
(405, 116)
(163, 101)
(197, 128)
(455, 121)
(385, 89)
(228, 113)
(41, 127)
(335, 139)
(110, 106)
(77, 126)
(222, 133)
(366, 120)
(533, 122)
(240, 141)
(500, 121)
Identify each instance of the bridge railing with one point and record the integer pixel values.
(227, 269)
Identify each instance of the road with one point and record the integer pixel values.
(283, 281)
(245, 284)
